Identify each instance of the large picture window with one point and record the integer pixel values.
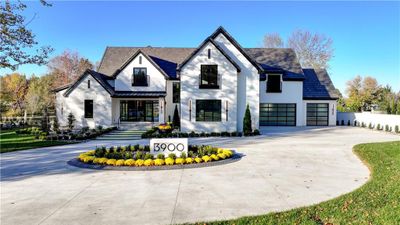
(139, 110)
(176, 92)
(274, 83)
(139, 77)
(209, 77)
(208, 110)
(88, 108)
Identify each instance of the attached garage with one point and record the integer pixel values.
(317, 114)
(277, 114)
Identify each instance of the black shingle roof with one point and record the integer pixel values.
(270, 59)
(318, 85)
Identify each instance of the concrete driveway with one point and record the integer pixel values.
(282, 169)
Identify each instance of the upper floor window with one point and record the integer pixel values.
(208, 110)
(88, 84)
(274, 84)
(88, 109)
(140, 77)
(209, 53)
(176, 92)
(209, 77)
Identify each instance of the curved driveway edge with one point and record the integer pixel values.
(282, 169)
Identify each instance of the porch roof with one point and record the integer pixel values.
(139, 94)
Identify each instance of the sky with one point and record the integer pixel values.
(365, 35)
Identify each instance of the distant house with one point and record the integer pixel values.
(138, 87)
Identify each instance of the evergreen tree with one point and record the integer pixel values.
(71, 121)
(176, 120)
(56, 126)
(247, 121)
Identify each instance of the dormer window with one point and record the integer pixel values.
(274, 83)
(209, 77)
(140, 77)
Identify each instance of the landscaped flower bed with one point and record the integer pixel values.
(135, 155)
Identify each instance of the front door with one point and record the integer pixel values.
(139, 110)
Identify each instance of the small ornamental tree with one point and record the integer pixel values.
(56, 126)
(247, 121)
(71, 121)
(45, 121)
(176, 120)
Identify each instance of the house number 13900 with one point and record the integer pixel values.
(169, 147)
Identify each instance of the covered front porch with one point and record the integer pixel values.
(139, 113)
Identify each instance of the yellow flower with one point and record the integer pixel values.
(198, 160)
(221, 155)
(179, 161)
(189, 160)
(159, 162)
(206, 158)
(88, 159)
(129, 162)
(120, 162)
(148, 162)
(91, 152)
(111, 162)
(139, 162)
(228, 153)
(103, 160)
(169, 161)
(214, 157)
(96, 160)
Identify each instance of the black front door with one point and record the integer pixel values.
(139, 110)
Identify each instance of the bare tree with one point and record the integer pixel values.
(313, 50)
(67, 67)
(17, 39)
(273, 40)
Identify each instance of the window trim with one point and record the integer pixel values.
(208, 86)
(212, 115)
(85, 112)
(133, 77)
(280, 83)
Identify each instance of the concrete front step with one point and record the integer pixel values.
(122, 135)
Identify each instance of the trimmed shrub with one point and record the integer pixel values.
(370, 126)
(387, 128)
(148, 162)
(378, 127)
(189, 160)
(169, 161)
(139, 162)
(206, 158)
(176, 121)
(396, 129)
(342, 123)
(179, 161)
(198, 160)
(348, 122)
(120, 162)
(247, 121)
(172, 156)
(129, 162)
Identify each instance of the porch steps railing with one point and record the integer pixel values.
(122, 135)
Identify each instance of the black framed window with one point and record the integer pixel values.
(88, 83)
(140, 77)
(88, 109)
(274, 83)
(278, 114)
(208, 110)
(209, 76)
(176, 88)
(139, 110)
(317, 114)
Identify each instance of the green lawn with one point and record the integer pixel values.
(376, 202)
(10, 141)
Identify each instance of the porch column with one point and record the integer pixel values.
(161, 110)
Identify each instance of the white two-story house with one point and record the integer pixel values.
(211, 85)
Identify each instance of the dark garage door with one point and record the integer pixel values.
(317, 114)
(277, 114)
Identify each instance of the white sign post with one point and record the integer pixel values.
(169, 145)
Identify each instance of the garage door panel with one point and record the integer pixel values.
(317, 114)
(279, 114)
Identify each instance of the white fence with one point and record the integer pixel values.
(369, 119)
